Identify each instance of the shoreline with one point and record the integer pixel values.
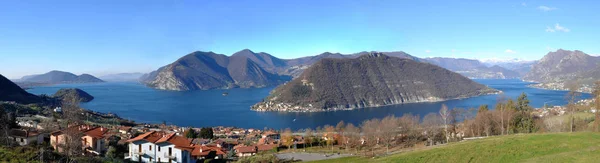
(313, 110)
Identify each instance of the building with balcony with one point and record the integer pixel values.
(156, 146)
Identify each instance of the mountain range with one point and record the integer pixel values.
(59, 77)
(208, 70)
(369, 80)
(473, 68)
(122, 77)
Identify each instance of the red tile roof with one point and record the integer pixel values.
(200, 150)
(175, 140)
(151, 136)
(93, 131)
(246, 149)
(97, 132)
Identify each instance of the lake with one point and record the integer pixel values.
(136, 102)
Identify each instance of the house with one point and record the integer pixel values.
(124, 129)
(271, 134)
(245, 151)
(266, 147)
(93, 138)
(156, 146)
(26, 137)
(207, 152)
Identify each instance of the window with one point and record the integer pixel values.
(150, 159)
(139, 147)
(22, 140)
(158, 150)
(149, 147)
(158, 158)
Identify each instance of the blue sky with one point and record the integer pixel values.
(101, 37)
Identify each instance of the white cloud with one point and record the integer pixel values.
(510, 51)
(523, 4)
(546, 8)
(453, 50)
(557, 28)
(427, 51)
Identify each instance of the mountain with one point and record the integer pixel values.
(10, 91)
(367, 81)
(563, 66)
(298, 65)
(60, 77)
(208, 70)
(519, 66)
(473, 68)
(266, 61)
(79, 94)
(122, 77)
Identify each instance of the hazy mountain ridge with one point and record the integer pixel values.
(473, 68)
(368, 81)
(60, 77)
(122, 77)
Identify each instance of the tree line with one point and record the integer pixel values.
(508, 116)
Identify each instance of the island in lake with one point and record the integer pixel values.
(370, 80)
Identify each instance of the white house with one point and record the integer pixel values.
(155, 146)
(26, 137)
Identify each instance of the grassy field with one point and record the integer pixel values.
(559, 147)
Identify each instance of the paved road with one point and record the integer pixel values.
(309, 156)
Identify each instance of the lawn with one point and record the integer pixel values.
(557, 147)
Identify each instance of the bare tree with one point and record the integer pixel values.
(572, 97)
(370, 129)
(500, 107)
(444, 114)
(431, 124)
(596, 94)
(352, 137)
(408, 125)
(72, 118)
(340, 127)
(287, 138)
(330, 135)
(308, 136)
(389, 130)
(5, 126)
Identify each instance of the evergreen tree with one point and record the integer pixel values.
(191, 133)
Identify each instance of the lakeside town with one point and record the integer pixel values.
(74, 133)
